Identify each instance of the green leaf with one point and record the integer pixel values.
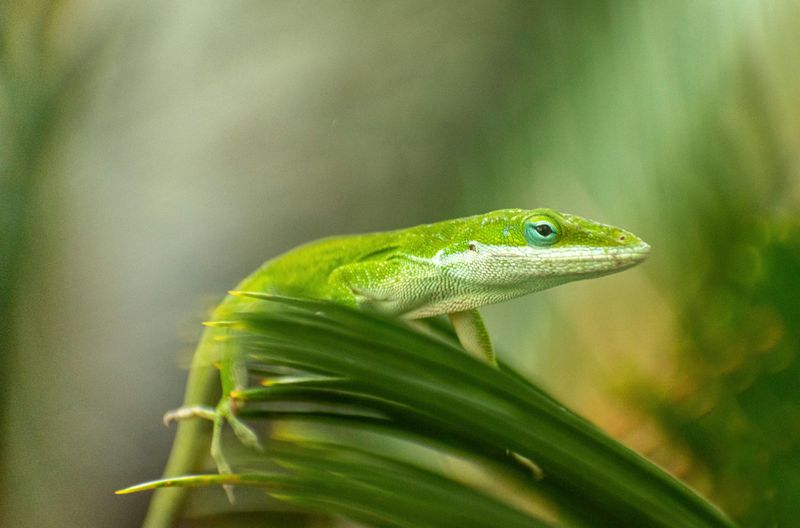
(366, 487)
(363, 373)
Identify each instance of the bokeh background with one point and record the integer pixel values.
(154, 153)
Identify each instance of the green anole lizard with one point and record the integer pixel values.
(451, 267)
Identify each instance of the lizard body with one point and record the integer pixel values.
(451, 267)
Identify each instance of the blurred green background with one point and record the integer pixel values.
(152, 154)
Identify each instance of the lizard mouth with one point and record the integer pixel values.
(603, 261)
(636, 253)
(610, 257)
(574, 261)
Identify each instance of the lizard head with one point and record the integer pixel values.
(578, 247)
(527, 250)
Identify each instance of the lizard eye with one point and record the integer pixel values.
(541, 232)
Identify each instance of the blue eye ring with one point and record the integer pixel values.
(541, 232)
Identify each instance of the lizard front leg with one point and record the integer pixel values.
(400, 285)
(473, 335)
(475, 339)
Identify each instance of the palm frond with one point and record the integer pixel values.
(362, 372)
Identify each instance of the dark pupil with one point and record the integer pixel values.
(544, 230)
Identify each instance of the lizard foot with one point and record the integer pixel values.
(243, 432)
(225, 413)
(186, 413)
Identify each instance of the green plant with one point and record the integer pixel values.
(387, 395)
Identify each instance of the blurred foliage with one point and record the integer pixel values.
(153, 154)
(733, 399)
(28, 107)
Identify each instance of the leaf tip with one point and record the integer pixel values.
(131, 489)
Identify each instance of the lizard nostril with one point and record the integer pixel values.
(622, 238)
(473, 247)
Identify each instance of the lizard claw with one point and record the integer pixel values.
(191, 411)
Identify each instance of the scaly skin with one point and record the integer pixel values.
(451, 267)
